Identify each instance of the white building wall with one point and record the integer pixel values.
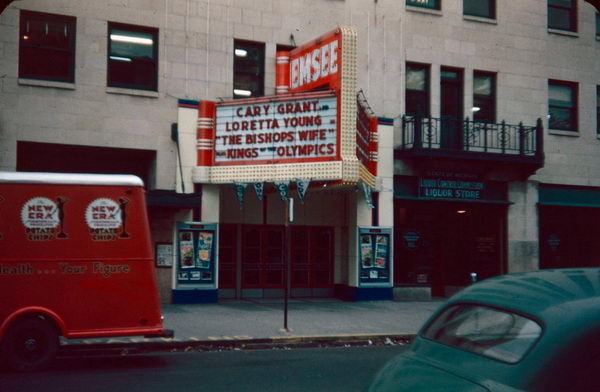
(196, 57)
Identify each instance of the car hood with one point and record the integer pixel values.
(406, 373)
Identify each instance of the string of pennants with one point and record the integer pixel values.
(283, 187)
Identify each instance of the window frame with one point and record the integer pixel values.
(237, 71)
(143, 86)
(437, 4)
(491, 7)
(426, 92)
(492, 98)
(572, 10)
(573, 108)
(26, 16)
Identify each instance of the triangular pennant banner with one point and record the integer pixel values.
(302, 186)
(259, 187)
(240, 192)
(367, 190)
(282, 188)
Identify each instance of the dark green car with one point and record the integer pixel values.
(531, 331)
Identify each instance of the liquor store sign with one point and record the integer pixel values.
(454, 189)
(291, 130)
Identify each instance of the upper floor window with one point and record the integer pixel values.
(431, 4)
(47, 47)
(417, 89)
(597, 25)
(484, 96)
(562, 15)
(248, 69)
(132, 57)
(481, 8)
(598, 110)
(562, 105)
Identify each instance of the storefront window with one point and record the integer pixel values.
(132, 57)
(417, 89)
(47, 47)
(484, 97)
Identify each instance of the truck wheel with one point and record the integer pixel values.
(30, 344)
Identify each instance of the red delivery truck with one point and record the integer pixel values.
(75, 261)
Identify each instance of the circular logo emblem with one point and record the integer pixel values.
(40, 213)
(103, 214)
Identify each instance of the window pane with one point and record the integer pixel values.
(131, 44)
(561, 3)
(416, 79)
(560, 95)
(482, 85)
(417, 103)
(561, 118)
(417, 89)
(47, 47)
(598, 109)
(483, 8)
(132, 57)
(496, 334)
(248, 69)
(597, 23)
(433, 4)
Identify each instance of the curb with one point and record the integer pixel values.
(276, 342)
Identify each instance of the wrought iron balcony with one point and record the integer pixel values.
(427, 137)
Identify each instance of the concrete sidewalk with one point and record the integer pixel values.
(261, 321)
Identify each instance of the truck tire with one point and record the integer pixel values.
(30, 344)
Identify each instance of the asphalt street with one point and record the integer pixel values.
(311, 369)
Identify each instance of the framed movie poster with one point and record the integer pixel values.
(374, 252)
(196, 253)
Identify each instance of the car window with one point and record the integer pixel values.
(496, 334)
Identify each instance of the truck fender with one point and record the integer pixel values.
(33, 310)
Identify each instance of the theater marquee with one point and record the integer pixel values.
(307, 131)
(282, 130)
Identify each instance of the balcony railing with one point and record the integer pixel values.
(459, 137)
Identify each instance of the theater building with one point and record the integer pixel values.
(426, 144)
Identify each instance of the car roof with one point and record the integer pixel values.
(557, 296)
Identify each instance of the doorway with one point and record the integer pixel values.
(252, 257)
(441, 244)
(451, 96)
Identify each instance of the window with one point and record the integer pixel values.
(484, 97)
(497, 334)
(562, 105)
(417, 89)
(431, 4)
(481, 8)
(562, 15)
(47, 47)
(597, 25)
(132, 57)
(248, 69)
(598, 110)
